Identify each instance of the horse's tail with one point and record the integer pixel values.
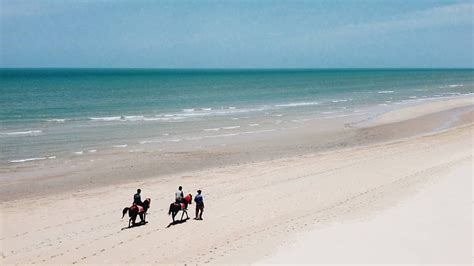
(171, 209)
(125, 210)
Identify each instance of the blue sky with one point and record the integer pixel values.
(237, 34)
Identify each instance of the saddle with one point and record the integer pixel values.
(140, 208)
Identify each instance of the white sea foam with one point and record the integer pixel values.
(339, 101)
(232, 127)
(345, 115)
(206, 109)
(258, 131)
(300, 120)
(412, 97)
(173, 118)
(92, 151)
(455, 85)
(382, 92)
(200, 113)
(51, 157)
(212, 129)
(79, 152)
(134, 118)
(29, 132)
(223, 135)
(57, 120)
(120, 146)
(232, 108)
(253, 125)
(106, 118)
(175, 140)
(297, 104)
(194, 138)
(188, 110)
(28, 160)
(150, 141)
(154, 119)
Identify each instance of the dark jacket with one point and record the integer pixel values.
(137, 199)
(199, 200)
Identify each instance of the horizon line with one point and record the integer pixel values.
(246, 68)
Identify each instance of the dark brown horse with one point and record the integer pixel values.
(182, 206)
(135, 210)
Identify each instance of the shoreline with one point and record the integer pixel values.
(111, 169)
(252, 209)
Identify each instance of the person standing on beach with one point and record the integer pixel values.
(179, 195)
(137, 199)
(199, 205)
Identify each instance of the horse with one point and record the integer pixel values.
(135, 210)
(182, 206)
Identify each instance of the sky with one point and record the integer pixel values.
(237, 34)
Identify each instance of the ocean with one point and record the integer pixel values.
(46, 114)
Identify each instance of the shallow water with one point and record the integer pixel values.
(54, 113)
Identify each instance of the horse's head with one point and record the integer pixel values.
(189, 199)
(146, 203)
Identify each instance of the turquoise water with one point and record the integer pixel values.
(49, 112)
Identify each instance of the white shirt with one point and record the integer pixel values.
(179, 195)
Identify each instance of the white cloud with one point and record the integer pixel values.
(451, 15)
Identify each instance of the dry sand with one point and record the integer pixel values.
(434, 226)
(259, 209)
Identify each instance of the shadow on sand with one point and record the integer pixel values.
(135, 225)
(177, 222)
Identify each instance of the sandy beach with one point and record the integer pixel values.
(396, 191)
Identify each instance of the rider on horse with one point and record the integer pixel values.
(179, 195)
(138, 208)
(137, 199)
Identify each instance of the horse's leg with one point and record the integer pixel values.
(182, 214)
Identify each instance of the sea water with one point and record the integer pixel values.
(53, 113)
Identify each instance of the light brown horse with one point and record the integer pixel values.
(135, 210)
(182, 206)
